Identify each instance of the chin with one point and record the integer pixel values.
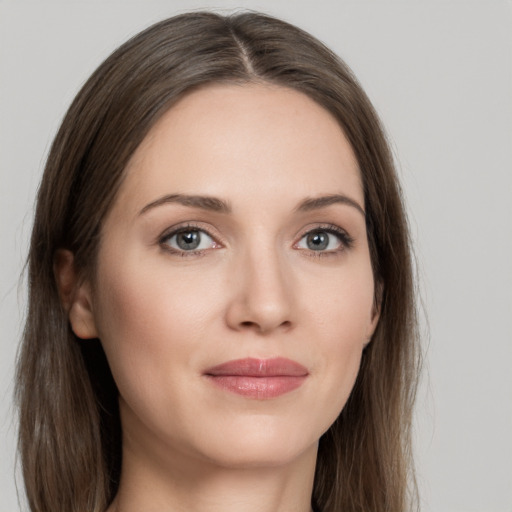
(260, 444)
(255, 456)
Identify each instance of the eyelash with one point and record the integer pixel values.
(346, 241)
(162, 241)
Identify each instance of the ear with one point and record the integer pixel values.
(376, 308)
(75, 295)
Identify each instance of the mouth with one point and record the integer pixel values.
(260, 379)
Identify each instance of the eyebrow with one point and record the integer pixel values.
(215, 204)
(315, 203)
(204, 202)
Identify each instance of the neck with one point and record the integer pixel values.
(180, 483)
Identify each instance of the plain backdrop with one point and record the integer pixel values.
(440, 75)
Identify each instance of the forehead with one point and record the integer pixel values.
(244, 141)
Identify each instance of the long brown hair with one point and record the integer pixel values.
(69, 437)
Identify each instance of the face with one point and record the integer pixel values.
(234, 291)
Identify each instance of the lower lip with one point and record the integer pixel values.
(260, 388)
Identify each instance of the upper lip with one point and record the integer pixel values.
(253, 367)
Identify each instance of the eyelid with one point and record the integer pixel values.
(187, 226)
(346, 240)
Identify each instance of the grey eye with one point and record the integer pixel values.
(320, 241)
(317, 241)
(190, 240)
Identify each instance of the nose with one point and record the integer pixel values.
(263, 298)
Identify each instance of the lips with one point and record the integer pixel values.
(258, 378)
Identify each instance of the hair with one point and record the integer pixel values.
(69, 431)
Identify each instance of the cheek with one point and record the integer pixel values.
(341, 324)
(341, 306)
(150, 321)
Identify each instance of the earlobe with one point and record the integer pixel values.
(75, 295)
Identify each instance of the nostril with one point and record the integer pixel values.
(262, 328)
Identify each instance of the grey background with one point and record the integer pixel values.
(440, 75)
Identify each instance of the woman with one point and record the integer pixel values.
(221, 305)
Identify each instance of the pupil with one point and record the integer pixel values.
(318, 241)
(188, 240)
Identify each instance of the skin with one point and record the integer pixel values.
(255, 288)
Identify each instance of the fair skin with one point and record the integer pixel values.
(184, 284)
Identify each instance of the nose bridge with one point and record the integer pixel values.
(264, 298)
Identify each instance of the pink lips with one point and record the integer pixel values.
(258, 378)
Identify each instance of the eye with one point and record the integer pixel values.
(188, 239)
(332, 239)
